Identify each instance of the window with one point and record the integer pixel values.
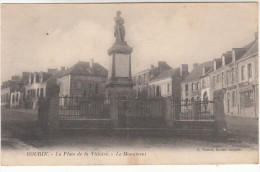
(246, 99)
(38, 92)
(249, 70)
(17, 97)
(242, 73)
(42, 92)
(96, 88)
(214, 78)
(222, 78)
(203, 83)
(13, 98)
(232, 75)
(33, 92)
(218, 78)
(78, 84)
(197, 86)
(227, 76)
(192, 86)
(233, 98)
(186, 87)
(168, 88)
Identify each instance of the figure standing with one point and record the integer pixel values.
(119, 28)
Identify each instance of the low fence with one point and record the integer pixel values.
(83, 108)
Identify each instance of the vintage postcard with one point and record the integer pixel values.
(129, 84)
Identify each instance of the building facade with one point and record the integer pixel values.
(82, 80)
(235, 73)
(248, 82)
(196, 82)
(7, 88)
(168, 83)
(142, 79)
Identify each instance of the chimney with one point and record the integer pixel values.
(203, 71)
(195, 65)
(256, 36)
(62, 68)
(34, 77)
(184, 70)
(41, 77)
(152, 66)
(91, 63)
(30, 78)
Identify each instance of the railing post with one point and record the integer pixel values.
(169, 114)
(114, 103)
(218, 113)
(53, 115)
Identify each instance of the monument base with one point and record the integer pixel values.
(119, 88)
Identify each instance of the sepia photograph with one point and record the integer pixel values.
(129, 84)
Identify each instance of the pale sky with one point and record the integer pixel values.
(177, 33)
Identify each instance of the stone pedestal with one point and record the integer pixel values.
(120, 81)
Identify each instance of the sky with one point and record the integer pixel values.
(40, 36)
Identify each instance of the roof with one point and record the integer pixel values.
(218, 62)
(239, 52)
(209, 69)
(83, 68)
(252, 50)
(53, 79)
(197, 73)
(166, 74)
(163, 67)
(228, 58)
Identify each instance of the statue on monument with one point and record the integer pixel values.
(119, 28)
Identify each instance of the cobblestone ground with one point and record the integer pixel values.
(20, 132)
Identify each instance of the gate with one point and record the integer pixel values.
(81, 112)
(141, 113)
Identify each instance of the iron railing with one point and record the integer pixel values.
(142, 108)
(193, 110)
(84, 108)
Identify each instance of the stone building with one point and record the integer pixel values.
(230, 71)
(248, 82)
(168, 83)
(142, 79)
(17, 99)
(40, 84)
(7, 88)
(83, 79)
(196, 82)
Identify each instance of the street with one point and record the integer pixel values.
(21, 132)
